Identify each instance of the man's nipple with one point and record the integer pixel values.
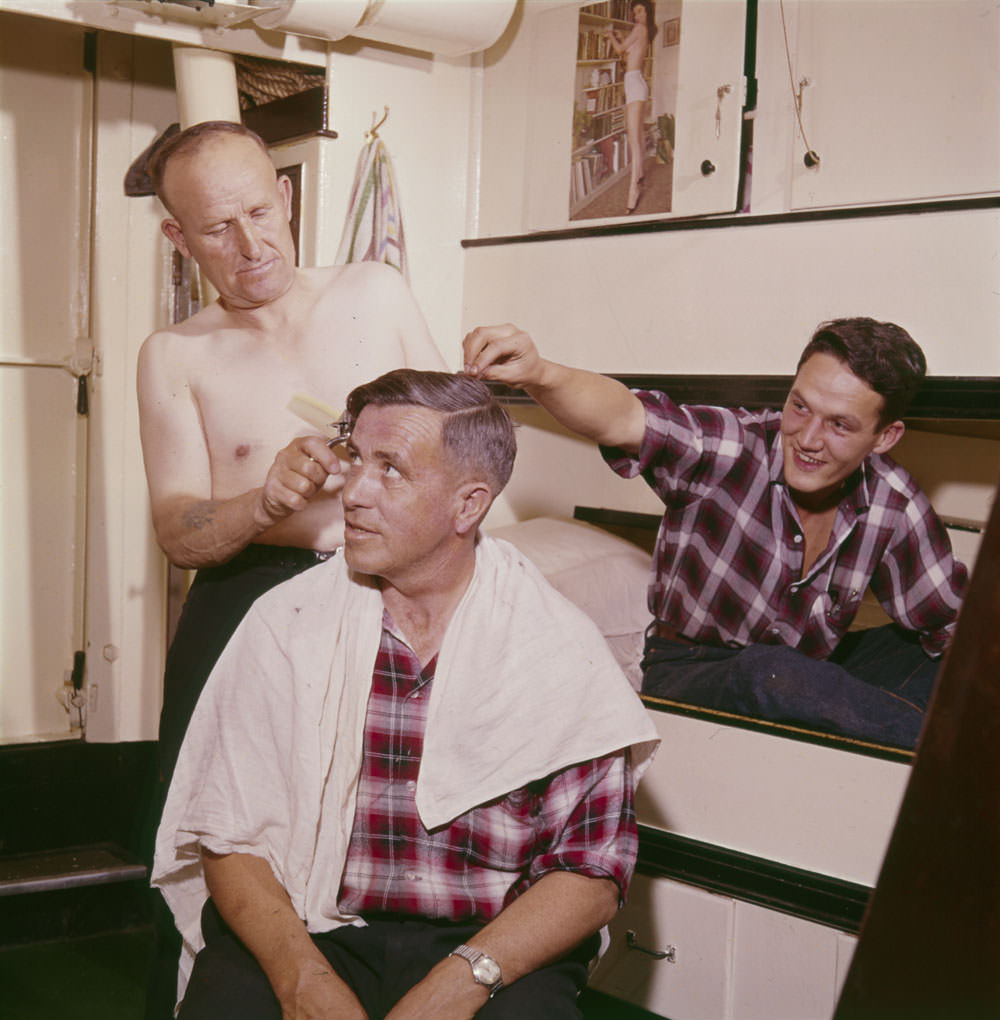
(243, 450)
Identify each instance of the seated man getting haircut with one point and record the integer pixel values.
(421, 802)
(775, 524)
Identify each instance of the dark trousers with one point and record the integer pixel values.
(380, 962)
(876, 686)
(216, 603)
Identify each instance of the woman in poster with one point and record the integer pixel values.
(633, 49)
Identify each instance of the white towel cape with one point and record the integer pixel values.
(525, 685)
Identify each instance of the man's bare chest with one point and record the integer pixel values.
(816, 531)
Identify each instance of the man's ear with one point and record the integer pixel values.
(474, 499)
(174, 234)
(286, 190)
(888, 437)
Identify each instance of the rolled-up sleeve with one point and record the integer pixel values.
(587, 823)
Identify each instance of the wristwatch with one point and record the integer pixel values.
(485, 969)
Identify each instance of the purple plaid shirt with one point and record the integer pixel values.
(729, 553)
(579, 819)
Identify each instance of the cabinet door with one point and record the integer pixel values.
(784, 968)
(710, 97)
(531, 101)
(693, 928)
(899, 100)
(44, 325)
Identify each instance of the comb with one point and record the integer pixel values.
(332, 424)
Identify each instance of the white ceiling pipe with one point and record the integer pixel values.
(206, 85)
(320, 19)
(448, 27)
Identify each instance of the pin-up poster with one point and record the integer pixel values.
(625, 90)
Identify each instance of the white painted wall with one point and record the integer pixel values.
(427, 134)
(729, 299)
(734, 300)
(126, 573)
(744, 299)
(44, 251)
(427, 137)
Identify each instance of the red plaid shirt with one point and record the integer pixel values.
(728, 566)
(579, 819)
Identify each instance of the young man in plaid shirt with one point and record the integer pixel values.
(775, 525)
(408, 786)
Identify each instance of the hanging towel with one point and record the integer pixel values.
(373, 231)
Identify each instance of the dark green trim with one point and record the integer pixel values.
(833, 902)
(942, 397)
(739, 220)
(73, 793)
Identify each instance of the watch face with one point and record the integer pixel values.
(486, 970)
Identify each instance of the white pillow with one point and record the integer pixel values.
(606, 576)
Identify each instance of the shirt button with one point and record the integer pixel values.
(411, 784)
(411, 876)
(797, 539)
(795, 589)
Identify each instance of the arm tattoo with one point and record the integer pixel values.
(199, 515)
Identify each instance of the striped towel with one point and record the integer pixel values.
(373, 231)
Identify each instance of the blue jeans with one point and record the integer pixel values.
(380, 962)
(875, 687)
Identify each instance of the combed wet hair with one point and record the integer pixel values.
(881, 354)
(476, 430)
(189, 141)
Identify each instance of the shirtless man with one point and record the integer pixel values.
(241, 488)
(214, 390)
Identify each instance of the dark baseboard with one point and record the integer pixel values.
(806, 894)
(76, 796)
(73, 793)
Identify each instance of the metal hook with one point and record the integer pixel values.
(669, 954)
(804, 83)
(372, 132)
(720, 93)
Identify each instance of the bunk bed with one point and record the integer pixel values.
(741, 821)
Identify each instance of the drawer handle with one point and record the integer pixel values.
(669, 954)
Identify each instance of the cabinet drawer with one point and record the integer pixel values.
(693, 928)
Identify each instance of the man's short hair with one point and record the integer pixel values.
(189, 141)
(881, 354)
(476, 430)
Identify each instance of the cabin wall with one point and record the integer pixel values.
(122, 293)
(741, 294)
(45, 245)
(729, 297)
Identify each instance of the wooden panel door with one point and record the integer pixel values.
(45, 119)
